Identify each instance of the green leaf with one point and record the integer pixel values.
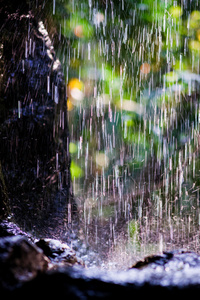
(176, 11)
(75, 170)
(72, 148)
(171, 77)
(133, 229)
(194, 45)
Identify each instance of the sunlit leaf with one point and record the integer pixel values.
(195, 15)
(171, 77)
(129, 123)
(194, 45)
(75, 170)
(176, 11)
(73, 148)
(107, 74)
(181, 65)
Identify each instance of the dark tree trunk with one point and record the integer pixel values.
(33, 116)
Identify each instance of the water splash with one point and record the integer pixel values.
(132, 88)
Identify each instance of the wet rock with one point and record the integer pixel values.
(171, 261)
(173, 274)
(58, 252)
(80, 283)
(8, 228)
(20, 260)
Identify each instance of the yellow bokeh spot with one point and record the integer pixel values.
(194, 45)
(195, 15)
(75, 91)
(70, 106)
(74, 83)
(176, 11)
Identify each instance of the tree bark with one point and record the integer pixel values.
(34, 134)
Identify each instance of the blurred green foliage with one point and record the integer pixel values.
(136, 51)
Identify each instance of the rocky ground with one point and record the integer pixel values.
(47, 267)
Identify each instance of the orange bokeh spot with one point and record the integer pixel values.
(145, 68)
(78, 31)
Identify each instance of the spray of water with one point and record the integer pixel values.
(133, 113)
(131, 72)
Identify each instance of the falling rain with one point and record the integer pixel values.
(131, 103)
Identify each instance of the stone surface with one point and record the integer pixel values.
(170, 261)
(26, 270)
(9, 228)
(76, 283)
(20, 260)
(58, 252)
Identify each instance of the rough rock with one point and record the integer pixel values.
(8, 228)
(80, 283)
(58, 252)
(171, 261)
(43, 269)
(173, 274)
(20, 260)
